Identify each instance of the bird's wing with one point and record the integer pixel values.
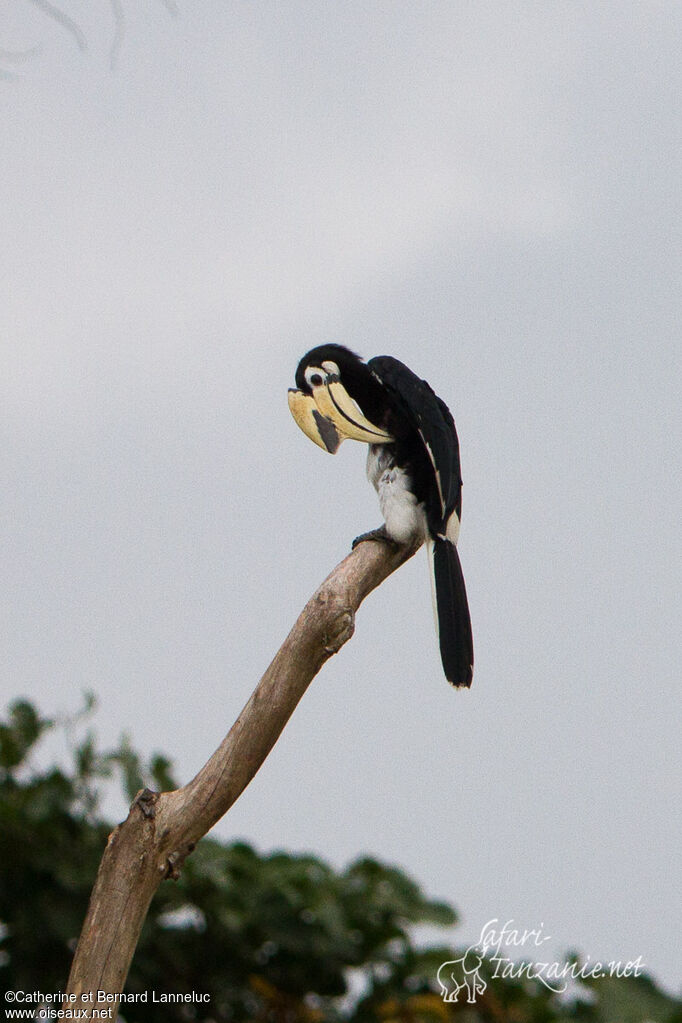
(433, 421)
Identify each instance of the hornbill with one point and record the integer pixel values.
(413, 463)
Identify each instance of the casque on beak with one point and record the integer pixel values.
(335, 403)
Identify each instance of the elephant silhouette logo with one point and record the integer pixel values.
(456, 974)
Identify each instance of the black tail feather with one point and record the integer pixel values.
(452, 612)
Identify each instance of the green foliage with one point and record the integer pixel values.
(19, 734)
(274, 937)
(629, 1000)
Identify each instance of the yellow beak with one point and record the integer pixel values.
(329, 416)
(314, 425)
(334, 402)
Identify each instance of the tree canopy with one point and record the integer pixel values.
(272, 937)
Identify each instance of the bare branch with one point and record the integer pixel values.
(15, 57)
(119, 32)
(64, 20)
(19, 56)
(74, 30)
(161, 830)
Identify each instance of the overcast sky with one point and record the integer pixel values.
(489, 192)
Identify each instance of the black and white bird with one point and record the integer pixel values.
(413, 463)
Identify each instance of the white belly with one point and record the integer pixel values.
(403, 515)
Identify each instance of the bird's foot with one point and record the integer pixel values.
(379, 534)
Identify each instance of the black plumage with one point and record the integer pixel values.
(413, 462)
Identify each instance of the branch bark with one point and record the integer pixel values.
(162, 829)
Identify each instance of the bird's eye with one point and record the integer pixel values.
(314, 376)
(331, 368)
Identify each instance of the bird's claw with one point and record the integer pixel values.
(379, 534)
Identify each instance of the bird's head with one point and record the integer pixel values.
(332, 386)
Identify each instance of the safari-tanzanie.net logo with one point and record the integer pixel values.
(498, 946)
